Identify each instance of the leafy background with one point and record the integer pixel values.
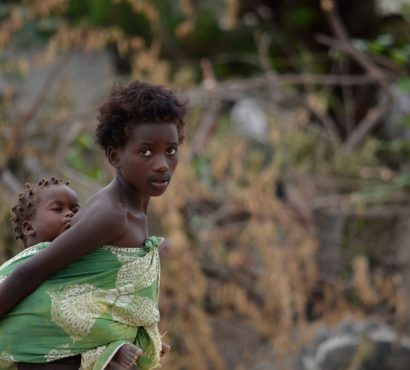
(293, 213)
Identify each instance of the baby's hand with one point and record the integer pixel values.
(165, 348)
(127, 355)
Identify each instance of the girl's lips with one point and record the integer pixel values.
(160, 184)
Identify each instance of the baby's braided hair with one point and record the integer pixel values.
(25, 206)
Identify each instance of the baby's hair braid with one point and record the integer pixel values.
(25, 209)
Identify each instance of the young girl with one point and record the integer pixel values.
(43, 211)
(140, 129)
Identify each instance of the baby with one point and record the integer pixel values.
(44, 211)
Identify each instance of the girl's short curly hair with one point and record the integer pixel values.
(138, 103)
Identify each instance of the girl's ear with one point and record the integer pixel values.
(27, 228)
(113, 156)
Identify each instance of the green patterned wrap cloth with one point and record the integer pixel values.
(92, 307)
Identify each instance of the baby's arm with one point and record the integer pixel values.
(93, 229)
(127, 355)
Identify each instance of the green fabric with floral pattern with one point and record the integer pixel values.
(103, 300)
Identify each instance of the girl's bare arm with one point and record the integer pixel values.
(90, 232)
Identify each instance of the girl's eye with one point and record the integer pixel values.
(146, 152)
(172, 151)
(56, 209)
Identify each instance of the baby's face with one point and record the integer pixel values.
(56, 206)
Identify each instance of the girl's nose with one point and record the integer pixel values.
(161, 164)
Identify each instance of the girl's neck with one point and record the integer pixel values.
(129, 195)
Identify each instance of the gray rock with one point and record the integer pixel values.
(249, 119)
(362, 345)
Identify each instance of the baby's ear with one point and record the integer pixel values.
(113, 156)
(27, 228)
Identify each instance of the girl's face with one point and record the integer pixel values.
(55, 206)
(149, 158)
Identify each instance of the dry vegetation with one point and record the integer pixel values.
(239, 253)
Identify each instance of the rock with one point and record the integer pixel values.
(360, 345)
(249, 119)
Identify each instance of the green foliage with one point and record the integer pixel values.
(4, 11)
(386, 45)
(30, 35)
(300, 18)
(202, 168)
(221, 212)
(406, 11)
(80, 156)
(308, 152)
(106, 13)
(397, 148)
(403, 85)
(382, 191)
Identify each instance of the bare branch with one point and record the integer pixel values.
(273, 81)
(374, 115)
(332, 80)
(329, 8)
(209, 119)
(11, 182)
(235, 89)
(367, 124)
(373, 71)
(14, 144)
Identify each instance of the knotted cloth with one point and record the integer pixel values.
(92, 307)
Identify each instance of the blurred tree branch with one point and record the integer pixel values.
(14, 145)
(374, 115)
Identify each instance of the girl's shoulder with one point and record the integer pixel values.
(106, 216)
(102, 213)
(102, 204)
